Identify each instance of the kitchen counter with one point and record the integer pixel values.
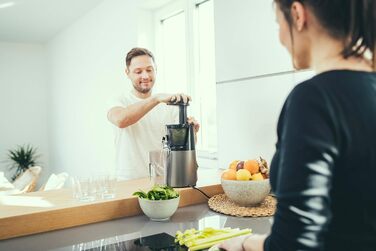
(115, 231)
(40, 212)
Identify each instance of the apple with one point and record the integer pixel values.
(240, 165)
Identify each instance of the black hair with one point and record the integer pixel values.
(352, 21)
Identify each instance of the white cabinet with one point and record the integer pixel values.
(246, 40)
(247, 115)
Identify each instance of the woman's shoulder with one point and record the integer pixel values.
(318, 81)
(313, 92)
(331, 82)
(340, 78)
(308, 88)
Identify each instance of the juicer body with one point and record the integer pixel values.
(181, 168)
(181, 163)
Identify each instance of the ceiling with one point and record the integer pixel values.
(152, 4)
(39, 20)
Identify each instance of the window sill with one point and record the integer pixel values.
(207, 154)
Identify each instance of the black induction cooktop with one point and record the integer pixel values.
(157, 242)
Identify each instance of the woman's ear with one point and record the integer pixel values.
(298, 15)
(126, 71)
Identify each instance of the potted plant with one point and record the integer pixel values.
(22, 158)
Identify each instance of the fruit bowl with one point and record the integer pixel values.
(246, 182)
(246, 193)
(159, 210)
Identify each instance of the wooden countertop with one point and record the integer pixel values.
(39, 212)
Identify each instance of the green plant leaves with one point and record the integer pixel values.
(158, 192)
(22, 158)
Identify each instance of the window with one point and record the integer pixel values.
(185, 55)
(174, 53)
(206, 89)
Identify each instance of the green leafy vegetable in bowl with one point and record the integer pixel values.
(158, 192)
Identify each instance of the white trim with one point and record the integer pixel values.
(207, 154)
(198, 2)
(190, 9)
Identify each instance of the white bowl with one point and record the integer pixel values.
(246, 193)
(159, 210)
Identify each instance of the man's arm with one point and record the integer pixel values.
(123, 117)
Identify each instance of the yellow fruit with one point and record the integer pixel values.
(229, 174)
(257, 176)
(243, 174)
(233, 164)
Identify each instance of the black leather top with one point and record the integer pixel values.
(324, 170)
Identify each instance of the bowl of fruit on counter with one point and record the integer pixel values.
(246, 182)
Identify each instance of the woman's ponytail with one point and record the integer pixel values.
(362, 30)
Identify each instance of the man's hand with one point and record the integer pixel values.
(196, 125)
(173, 98)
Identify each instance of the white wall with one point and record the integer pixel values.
(146, 33)
(23, 100)
(86, 62)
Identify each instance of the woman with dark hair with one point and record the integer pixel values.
(324, 170)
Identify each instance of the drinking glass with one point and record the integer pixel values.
(84, 189)
(157, 163)
(109, 186)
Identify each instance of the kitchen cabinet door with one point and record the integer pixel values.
(246, 40)
(247, 115)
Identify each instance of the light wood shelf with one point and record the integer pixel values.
(39, 212)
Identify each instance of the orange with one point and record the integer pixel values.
(229, 174)
(243, 174)
(233, 164)
(252, 166)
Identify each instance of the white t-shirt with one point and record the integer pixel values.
(134, 142)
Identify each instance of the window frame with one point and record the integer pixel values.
(189, 8)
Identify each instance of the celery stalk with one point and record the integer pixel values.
(222, 237)
(210, 244)
(189, 236)
(204, 246)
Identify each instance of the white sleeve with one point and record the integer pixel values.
(120, 100)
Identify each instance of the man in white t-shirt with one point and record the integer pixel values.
(141, 116)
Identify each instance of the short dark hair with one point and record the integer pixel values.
(135, 52)
(351, 21)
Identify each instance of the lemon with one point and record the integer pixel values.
(257, 176)
(243, 174)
